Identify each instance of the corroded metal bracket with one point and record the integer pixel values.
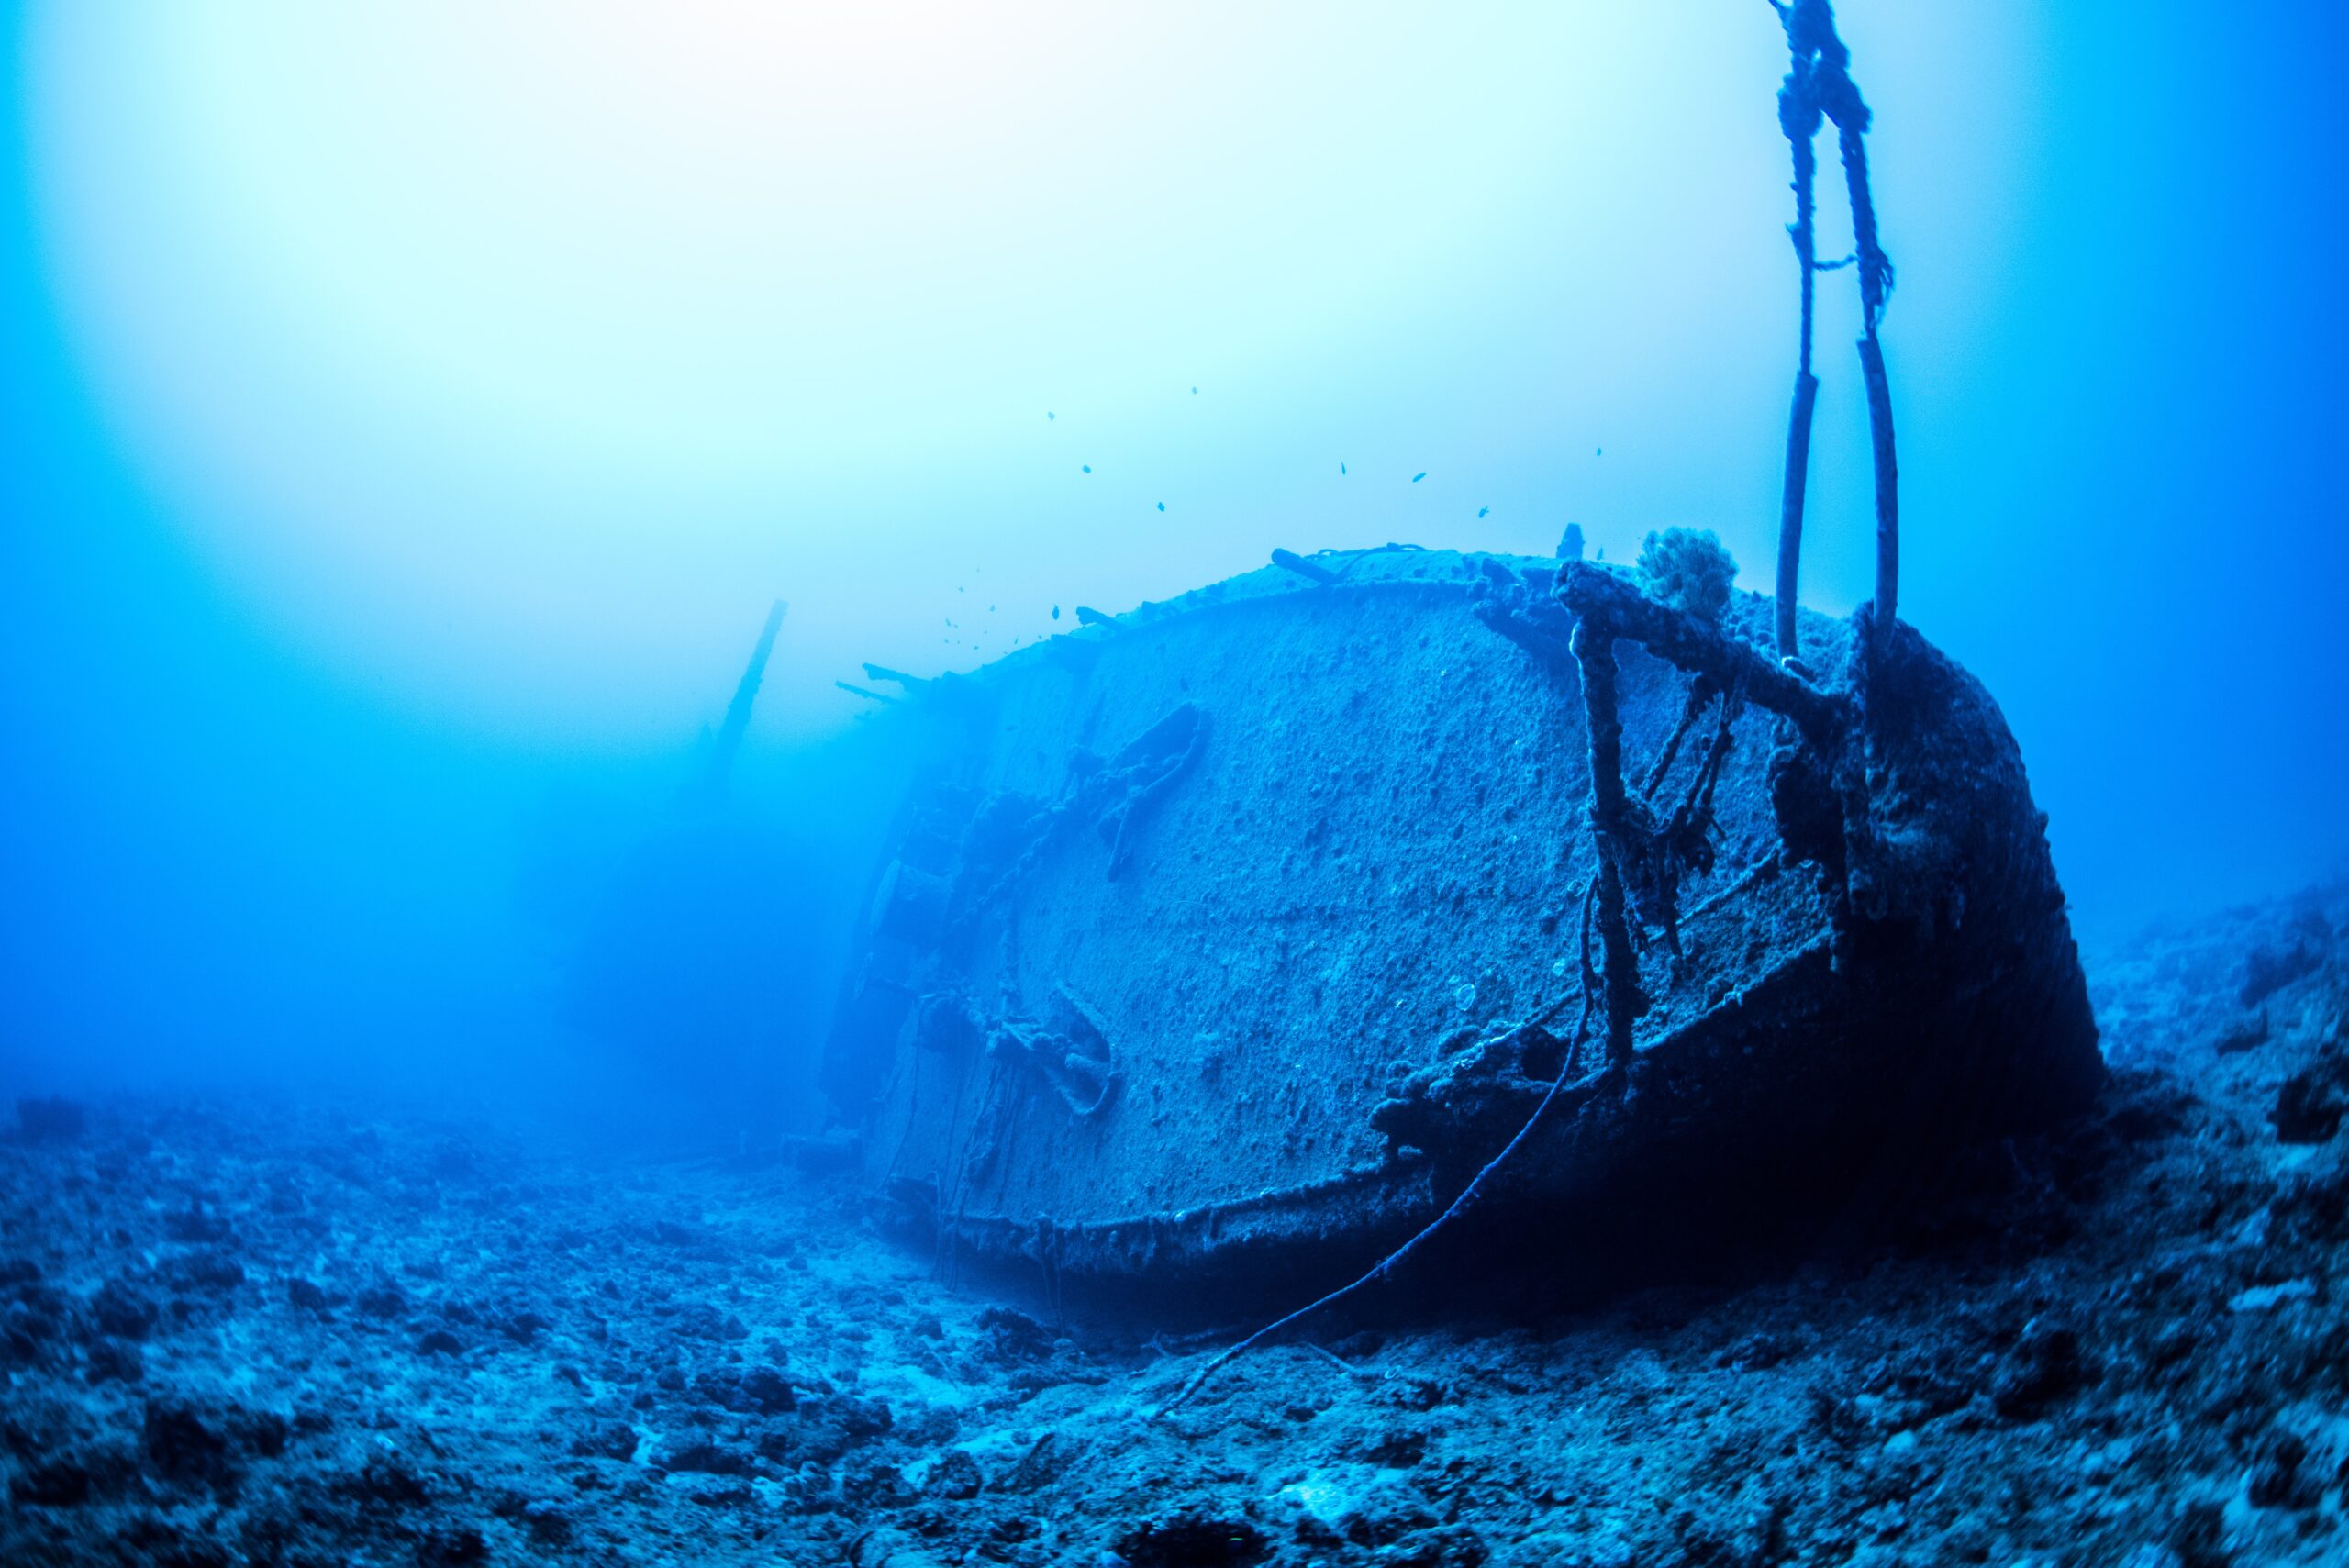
(1122, 792)
(1073, 1059)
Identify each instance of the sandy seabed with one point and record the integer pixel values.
(241, 1330)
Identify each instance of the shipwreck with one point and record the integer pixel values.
(1275, 922)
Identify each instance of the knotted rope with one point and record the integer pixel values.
(1819, 88)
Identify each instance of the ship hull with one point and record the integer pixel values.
(1237, 935)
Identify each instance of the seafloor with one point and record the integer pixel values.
(249, 1332)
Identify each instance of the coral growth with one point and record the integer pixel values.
(1689, 570)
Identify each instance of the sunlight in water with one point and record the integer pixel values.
(475, 344)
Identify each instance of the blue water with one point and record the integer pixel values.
(280, 801)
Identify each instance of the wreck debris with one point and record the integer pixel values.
(1593, 593)
(727, 740)
(1293, 562)
(1594, 650)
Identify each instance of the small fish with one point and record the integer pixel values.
(1342, 471)
(1481, 510)
(1048, 413)
(1417, 477)
(1161, 506)
(1056, 612)
(1195, 392)
(1088, 468)
(1600, 452)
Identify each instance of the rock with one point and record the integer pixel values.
(2278, 1481)
(607, 1440)
(711, 1492)
(1457, 1546)
(197, 1224)
(2152, 1556)
(121, 1311)
(183, 1445)
(309, 1297)
(2046, 1366)
(869, 1483)
(1045, 1462)
(1194, 1541)
(548, 1522)
(52, 1483)
(2248, 1035)
(699, 1320)
(2310, 1102)
(440, 1342)
(383, 1300)
(831, 1426)
(893, 1548)
(703, 1457)
(206, 1270)
(2267, 1298)
(2270, 969)
(386, 1483)
(1010, 1335)
(767, 1391)
(456, 1547)
(1398, 1449)
(953, 1476)
(28, 1330)
(521, 1326)
(50, 1119)
(760, 1391)
(114, 1360)
(2200, 1537)
(20, 1345)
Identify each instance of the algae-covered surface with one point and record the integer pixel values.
(244, 1331)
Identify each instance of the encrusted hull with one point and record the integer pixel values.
(1246, 929)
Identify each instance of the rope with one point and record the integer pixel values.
(1594, 650)
(1467, 1195)
(1819, 89)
